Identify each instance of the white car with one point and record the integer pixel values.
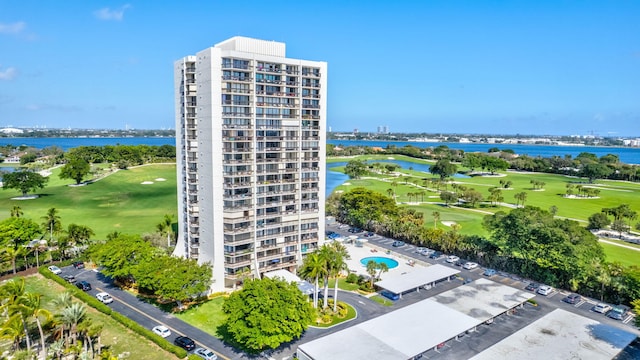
(470, 265)
(104, 298)
(545, 290)
(54, 269)
(452, 259)
(205, 354)
(601, 308)
(162, 331)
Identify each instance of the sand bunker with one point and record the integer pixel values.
(161, 179)
(146, 182)
(448, 223)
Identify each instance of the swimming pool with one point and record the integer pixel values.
(379, 260)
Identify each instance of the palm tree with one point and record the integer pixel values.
(382, 268)
(326, 254)
(52, 222)
(372, 269)
(14, 306)
(436, 218)
(313, 268)
(33, 309)
(166, 227)
(390, 192)
(16, 211)
(71, 316)
(337, 264)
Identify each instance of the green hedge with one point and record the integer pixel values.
(132, 325)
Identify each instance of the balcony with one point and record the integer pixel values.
(237, 78)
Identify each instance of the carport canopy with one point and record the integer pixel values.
(415, 279)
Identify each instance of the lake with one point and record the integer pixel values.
(627, 155)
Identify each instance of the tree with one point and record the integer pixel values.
(24, 181)
(336, 264)
(436, 218)
(448, 197)
(16, 211)
(598, 221)
(265, 314)
(79, 234)
(77, 168)
(355, 169)
(372, 270)
(15, 233)
(443, 168)
(595, 171)
(472, 197)
(52, 222)
(165, 227)
(313, 268)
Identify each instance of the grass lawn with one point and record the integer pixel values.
(119, 202)
(206, 316)
(381, 300)
(612, 194)
(351, 314)
(120, 339)
(342, 285)
(626, 257)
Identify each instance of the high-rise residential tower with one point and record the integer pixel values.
(250, 142)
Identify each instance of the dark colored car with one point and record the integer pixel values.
(83, 285)
(572, 299)
(369, 234)
(78, 264)
(185, 343)
(619, 312)
(397, 243)
(460, 262)
(355, 230)
(532, 286)
(435, 255)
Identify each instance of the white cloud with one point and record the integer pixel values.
(13, 28)
(9, 74)
(111, 14)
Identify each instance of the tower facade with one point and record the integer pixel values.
(250, 142)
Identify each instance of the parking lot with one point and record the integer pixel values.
(552, 300)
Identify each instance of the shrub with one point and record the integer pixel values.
(352, 278)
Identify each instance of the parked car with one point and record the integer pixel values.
(544, 290)
(489, 272)
(83, 285)
(206, 354)
(452, 259)
(185, 343)
(427, 252)
(397, 243)
(369, 234)
(355, 230)
(390, 295)
(435, 255)
(162, 331)
(333, 236)
(618, 312)
(601, 308)
(54, 269)
(572, 299)
(104, 298)
(460, 262)
(78, 264)
(533, 286)
(470, 265)
(70, 278)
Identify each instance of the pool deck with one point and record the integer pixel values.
(368, 250)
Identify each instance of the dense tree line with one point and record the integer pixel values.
(527, 241)
(585, 165)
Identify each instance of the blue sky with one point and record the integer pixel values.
(499, 67)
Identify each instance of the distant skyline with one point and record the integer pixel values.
(466, 67)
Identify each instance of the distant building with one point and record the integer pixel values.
(10, 130)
